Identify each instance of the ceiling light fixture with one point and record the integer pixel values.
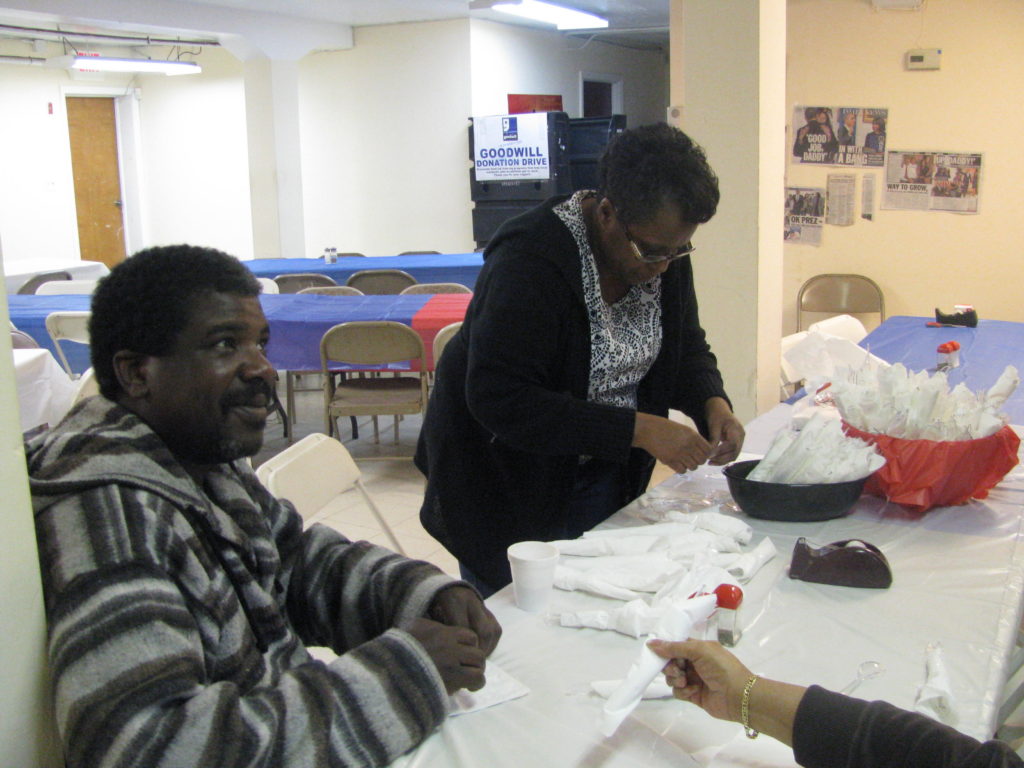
(561, 17)
(109, 64)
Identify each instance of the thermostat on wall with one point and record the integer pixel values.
(923, 58)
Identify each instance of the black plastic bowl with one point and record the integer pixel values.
(799, 502)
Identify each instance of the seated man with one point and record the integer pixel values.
(180, 595)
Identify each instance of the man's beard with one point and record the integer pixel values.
(222, 448)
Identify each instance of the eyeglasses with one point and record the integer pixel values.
(655, 258)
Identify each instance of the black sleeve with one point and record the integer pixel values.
(835, 730)
(519, 380)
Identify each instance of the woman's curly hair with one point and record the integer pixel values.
(644, 168)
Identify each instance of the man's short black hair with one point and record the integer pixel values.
(147, 300)
(644, 168)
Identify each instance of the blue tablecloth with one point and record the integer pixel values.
(985, 352)
(29, 312)
(426, 268)
(297, 321)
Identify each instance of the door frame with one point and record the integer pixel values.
(129, 153)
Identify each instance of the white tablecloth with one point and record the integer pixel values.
(17, 274)
(957, 579)
(45, 391)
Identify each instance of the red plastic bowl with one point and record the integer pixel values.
(921, 474)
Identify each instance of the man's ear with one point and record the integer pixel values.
(132, 373)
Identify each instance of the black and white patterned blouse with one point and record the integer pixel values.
(625, 337)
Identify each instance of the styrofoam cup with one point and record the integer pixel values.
(533, 573)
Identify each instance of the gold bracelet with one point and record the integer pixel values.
(745, 708)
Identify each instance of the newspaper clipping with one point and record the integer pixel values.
(932, 181)
(842, 188)
(805, 215)
(867, 197)
(850, 136)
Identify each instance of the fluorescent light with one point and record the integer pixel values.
(563, 18)
(107, 64)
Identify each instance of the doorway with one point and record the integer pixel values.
(92, 130)
(601, 94)
(597, 99)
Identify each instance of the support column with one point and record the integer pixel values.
(727, 79)
(271, 54)
(275, 158)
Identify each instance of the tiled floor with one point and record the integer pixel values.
(394, 483)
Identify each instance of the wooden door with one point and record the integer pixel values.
(93, 132)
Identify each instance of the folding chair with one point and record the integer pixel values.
(269, 285)
(440, 342)
(313, 473)
(436, 288)
(443, 337)
(296, 281)
(380, 281)
(334, 290)
(21, 340)
(35, 281)
(374, 343)
(55, 287)
(67, 326)
(838, 294)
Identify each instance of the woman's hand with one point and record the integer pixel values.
(677, 445)
(725, 431)
(704, 673)
(712, 678)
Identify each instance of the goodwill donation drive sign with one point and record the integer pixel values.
(511, 147)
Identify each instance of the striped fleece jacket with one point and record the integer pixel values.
(179, 616)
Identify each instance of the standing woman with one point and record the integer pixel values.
(550, 405)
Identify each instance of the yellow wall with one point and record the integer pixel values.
(843, 52)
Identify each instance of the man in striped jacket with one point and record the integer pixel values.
(181, 596)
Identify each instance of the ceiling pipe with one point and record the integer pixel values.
(59, 35)
(28, 61)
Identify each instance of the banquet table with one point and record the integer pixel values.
(16, 275)
(45, 391)
(297, 321)
(425, 267)
(958, 575)
(984, 351)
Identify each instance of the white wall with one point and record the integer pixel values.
(195, 164)
(37, 209)
(844, 52)
(383, 132)
(384, 141)
(515, 59)
(192, 161)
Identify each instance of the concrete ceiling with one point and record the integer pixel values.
(639, 23)
(621, 14)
